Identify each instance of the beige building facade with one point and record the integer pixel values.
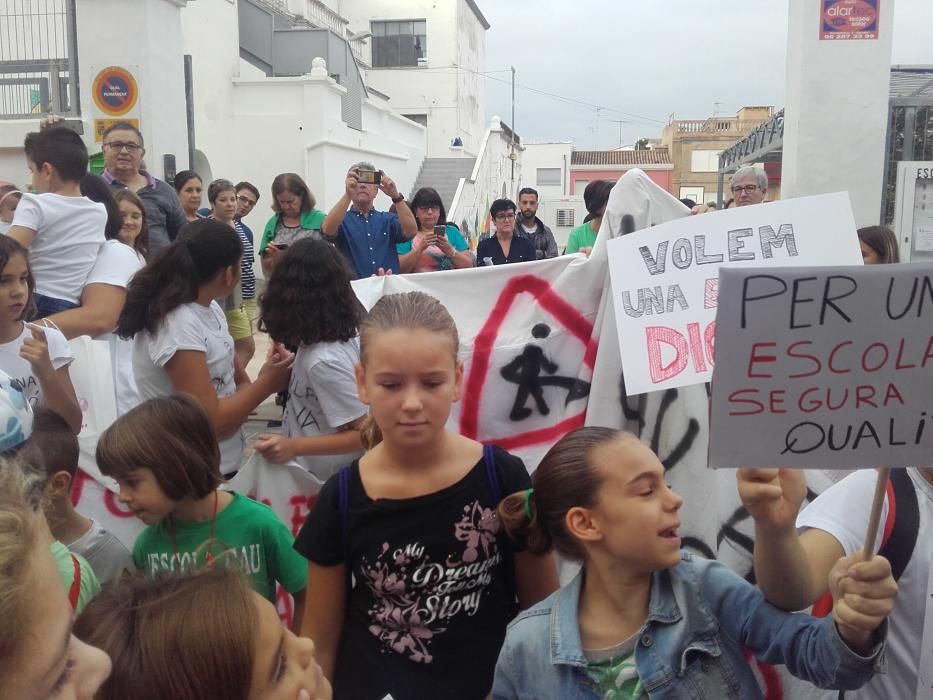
(695, 144)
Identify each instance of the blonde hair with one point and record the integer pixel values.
(21, 530)
(413, 311)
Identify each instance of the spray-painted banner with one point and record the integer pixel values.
(665, 280)
(828, 367)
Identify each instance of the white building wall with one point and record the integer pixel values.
(251, 127)
(547, 155)
(447, 89)
(836, 111)
(492, 178)
(151, 50)
(294, 125)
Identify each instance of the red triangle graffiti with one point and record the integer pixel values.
(478, 372)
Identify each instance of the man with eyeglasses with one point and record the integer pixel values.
(749, 186)
(123, 161)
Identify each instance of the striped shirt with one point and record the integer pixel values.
(247, 276)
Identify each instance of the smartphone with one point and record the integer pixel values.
(369, 177)
(281, 246)
(440, 232)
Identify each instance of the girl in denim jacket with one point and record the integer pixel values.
(644, 619)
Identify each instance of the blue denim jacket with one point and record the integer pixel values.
(700, 616)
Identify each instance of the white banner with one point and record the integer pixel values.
(828, 367)
(665, 280)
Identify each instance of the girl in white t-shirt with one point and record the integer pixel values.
(309, 304)
(181, 341)
(118, 259)
(35, 356)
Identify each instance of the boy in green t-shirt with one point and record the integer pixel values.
(583, 237)
(164, 456)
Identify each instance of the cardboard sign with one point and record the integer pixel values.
(828, 367)
(665, 280)
(849, 20)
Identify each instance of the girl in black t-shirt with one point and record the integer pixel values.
(412, 580)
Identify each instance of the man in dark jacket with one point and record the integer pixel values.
(532, 228)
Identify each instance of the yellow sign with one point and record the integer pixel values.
(101, 125)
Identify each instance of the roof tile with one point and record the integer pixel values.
(654, 156)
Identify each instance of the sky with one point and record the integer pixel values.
(643, 60)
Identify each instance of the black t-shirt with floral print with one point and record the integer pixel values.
(431, 595)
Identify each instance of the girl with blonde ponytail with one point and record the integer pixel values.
(412, 580)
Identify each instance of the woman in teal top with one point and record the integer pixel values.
(427, 252)
(295, 218)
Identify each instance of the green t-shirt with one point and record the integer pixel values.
(88, 587)
(614, 672)
(583, 236)
(246, 530)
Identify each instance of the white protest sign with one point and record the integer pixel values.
(826, 367)
(665, 280)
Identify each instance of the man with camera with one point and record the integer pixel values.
(366, 237)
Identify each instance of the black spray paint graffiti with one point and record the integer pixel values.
(728, 531)
(636, 413)
(525, 371)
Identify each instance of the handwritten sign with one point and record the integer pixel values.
(828, 367)
(665, 280)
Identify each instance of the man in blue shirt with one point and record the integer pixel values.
(366, 237)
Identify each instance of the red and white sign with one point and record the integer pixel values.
(665, 279)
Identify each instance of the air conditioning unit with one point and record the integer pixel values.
(565, 217)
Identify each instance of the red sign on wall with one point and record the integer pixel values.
(848, 20)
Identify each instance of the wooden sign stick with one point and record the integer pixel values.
(875, 517)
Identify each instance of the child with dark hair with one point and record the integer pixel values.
(36, 356)
(644, 618)
(58, 446)
(181, 341)
(164, 457)
(62, 228)
(309, 304)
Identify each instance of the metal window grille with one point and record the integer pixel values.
(565, 217)
(38, 58)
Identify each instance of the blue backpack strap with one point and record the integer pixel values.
(492, 475)
(508, 560)
(343, 507)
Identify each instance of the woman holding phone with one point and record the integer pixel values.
(437, 245)
(295, 218)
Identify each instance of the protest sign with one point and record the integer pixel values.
(665, 282)
(825, 367)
